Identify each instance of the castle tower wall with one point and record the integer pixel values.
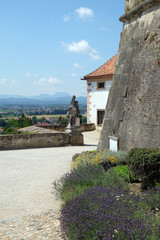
(133, 109)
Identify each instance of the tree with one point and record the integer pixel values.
(42, 119)
(34, 120)
(23, 121)
(62, 120)
(83, 119)
(3, 123)
(11, 127)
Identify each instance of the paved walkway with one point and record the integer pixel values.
(28, 210)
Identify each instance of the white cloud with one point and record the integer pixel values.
(103, 28)
(74, 75)
(66, 18)
(32, 75)
(94, 56)
(51, 81)
(84, 12)
(3, 81)
(14, 82)
(77, 65)
(82, 47)
(54, 80)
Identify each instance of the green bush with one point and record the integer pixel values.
(106, 158)
(121, 155)
(124, 172)
(145, 163)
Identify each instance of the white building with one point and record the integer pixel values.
(98, 86)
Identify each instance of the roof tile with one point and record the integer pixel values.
(107, 68)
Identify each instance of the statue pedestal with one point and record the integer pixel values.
(75, 133)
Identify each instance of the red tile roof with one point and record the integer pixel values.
(107, 68)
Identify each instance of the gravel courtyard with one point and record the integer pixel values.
(26, 176)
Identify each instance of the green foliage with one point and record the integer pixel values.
(62, 120)
(13, 125)
(98, 158)
(3, 123)
(124, 172)
(106, 158)
(135, 215)
(152, 198)
(121, 155)
(74, 183)
(83, 119)
(103, 213)
(24, 121)
(34, 120)
(42, 119)
(145, 163)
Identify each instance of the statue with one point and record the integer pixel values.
(73, 111)
(73, 128)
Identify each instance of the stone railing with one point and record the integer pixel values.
(62, 128)
(22, 141)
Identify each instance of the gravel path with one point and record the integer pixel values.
(43, 226)
(28, 210)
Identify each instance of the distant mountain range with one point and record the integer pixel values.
(42, 99)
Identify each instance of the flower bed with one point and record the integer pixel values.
(108, 213)
(97, 202)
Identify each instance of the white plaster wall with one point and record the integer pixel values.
(98, 99)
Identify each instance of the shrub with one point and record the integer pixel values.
(78, 180)
(152, 198)
(104, 158)
(87, 158)
(145, 163)
(107, 213)
(124, 172)
(121, 155)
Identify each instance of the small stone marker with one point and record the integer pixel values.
(113, 143)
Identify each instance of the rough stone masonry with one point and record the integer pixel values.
(133, 109)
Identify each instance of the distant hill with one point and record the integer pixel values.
(42, 99)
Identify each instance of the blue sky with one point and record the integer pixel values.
(46, 46)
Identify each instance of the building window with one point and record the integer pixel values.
(100, 85)
(100, 116)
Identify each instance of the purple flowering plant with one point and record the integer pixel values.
(82, 178)
(106, 213)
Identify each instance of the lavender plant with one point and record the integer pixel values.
(152, 198)
(82, 178)
(106, 213)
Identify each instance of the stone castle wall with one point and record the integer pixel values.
(129, 4)
(133, 108)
